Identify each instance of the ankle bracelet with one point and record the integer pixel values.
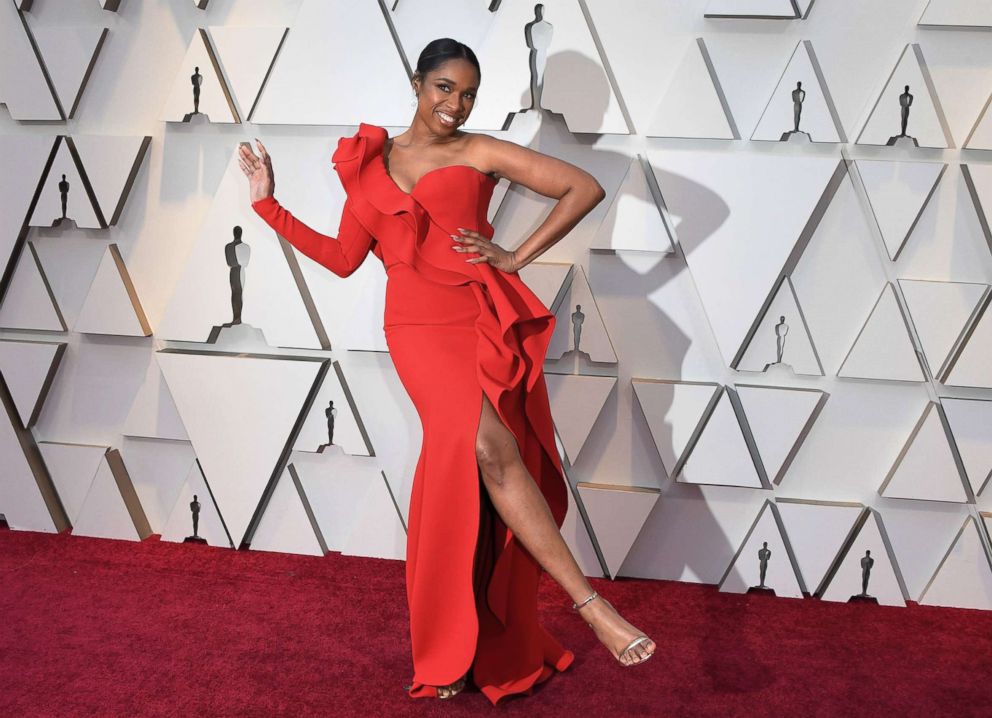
(577, 606)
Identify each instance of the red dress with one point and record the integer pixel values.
(454, 329)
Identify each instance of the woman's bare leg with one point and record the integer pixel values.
(522, 507)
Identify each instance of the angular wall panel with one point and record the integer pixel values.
(779, 420)
(883, 348)
(818, 531)
(579, 326)
(69, 54)
(971, 367)
(604, 505)
(66, 182)
(941, 312)
(846, 578)
(970, 423)
(926, 125)
(925, 468)
(336, 35)
(112, 163)
(675, 412)
(731, 245)
(241, 412)
(957, 13)
(634, 221)
(210, 525)
(801, 106)
(760, 9)
(112, 305)
(576, 402)
(24, 88)
(765, 546)
(245, 55)
(574, 77)
(28, 369)
(721, 456)
(215, 101)
(898, 192)
(964, 576)
(694, 104)
(980, 136)
(782, 330)
(29, 302)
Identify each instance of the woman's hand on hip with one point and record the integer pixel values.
(493, 254)
(258, 170)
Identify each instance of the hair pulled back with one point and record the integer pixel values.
(439, 51)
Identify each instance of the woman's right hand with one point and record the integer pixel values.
(258, 170)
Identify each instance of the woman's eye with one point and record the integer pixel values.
(470, 96)
(444, 87)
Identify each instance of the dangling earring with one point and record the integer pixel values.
(413, 102)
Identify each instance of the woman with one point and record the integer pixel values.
(468, 339)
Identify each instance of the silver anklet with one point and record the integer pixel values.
(577, 606)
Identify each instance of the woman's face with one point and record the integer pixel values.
(447, 95)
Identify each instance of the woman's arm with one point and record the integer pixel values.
(342, 255)
(576, 190)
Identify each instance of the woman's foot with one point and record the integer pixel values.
(446, 692)
(616, 633)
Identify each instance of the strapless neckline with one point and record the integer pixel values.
(382, 163)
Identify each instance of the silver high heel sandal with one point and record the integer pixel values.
(636, 642)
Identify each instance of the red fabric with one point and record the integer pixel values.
(455, 330)
(92, 627)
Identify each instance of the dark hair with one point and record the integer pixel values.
(437, 52)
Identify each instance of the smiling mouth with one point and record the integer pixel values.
(446, 119)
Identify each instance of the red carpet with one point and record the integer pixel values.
(91, 627)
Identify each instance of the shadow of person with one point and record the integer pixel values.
(682, 517)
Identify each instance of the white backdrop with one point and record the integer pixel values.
(126, 395)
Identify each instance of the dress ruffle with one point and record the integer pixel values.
(514, 330)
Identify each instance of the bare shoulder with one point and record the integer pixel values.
(494, 155)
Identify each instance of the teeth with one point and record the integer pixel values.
(447, 118)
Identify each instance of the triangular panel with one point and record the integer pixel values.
(240, 412)
(112, 305)
(918, 108)
(200, 68)
(765, 549)
(721, 456)
(941, 312)
(782, 331)
(694, 104)
(576, 401)
(866, 559)
(970, 422)
(246, 55)
(617, 514)
(963, 578)
(779, 420)
(818, 531)
(28, 368)
(883, 349)
(898, 192)
(633, 221)
(674, 412)
(69, 54)
(800, 106)
(925, 468)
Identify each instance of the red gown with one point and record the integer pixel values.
(454, 329)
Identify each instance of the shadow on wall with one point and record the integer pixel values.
(745, 671)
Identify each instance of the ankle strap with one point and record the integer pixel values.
(577, 606)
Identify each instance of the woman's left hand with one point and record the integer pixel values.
(495, 255)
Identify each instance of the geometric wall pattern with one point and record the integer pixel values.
(770, 366)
